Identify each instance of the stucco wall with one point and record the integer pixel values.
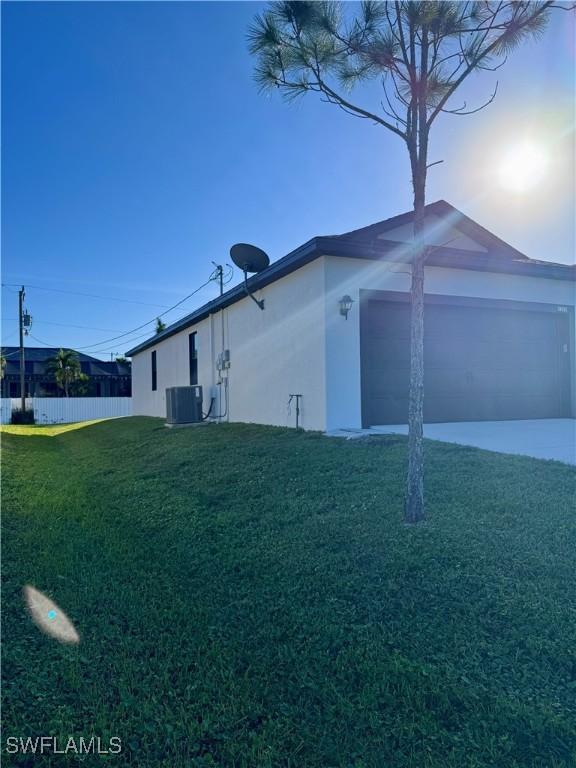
(273, 353)
(302, 344)
(349, 276)
(173, 369)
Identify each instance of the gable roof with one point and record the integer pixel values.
(368, 243)
(41, 354)
(452, 217)
(36, 359)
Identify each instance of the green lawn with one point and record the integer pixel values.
(248, 596)
(45, 430)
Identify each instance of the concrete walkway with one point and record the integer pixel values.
(540, 438)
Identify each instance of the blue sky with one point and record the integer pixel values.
(137, 149)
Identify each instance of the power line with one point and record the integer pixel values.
(138, 327)
(89, 295)
(53, 346)
(10, 335)
(92, 351)
(64, 325)
(133, 330)
(47, 344)
(127, 341)
(131, 340)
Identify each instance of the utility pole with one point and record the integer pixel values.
(222, 380)
(21, 295)
(219, 276)
(220, 269)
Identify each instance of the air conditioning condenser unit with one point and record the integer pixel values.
(183, 405)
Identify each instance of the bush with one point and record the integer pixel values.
(22, 417)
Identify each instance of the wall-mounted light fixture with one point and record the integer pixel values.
(346, 305)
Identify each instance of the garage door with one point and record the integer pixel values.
(482, 360)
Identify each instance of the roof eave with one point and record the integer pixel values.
(375, 251)
(289, 263)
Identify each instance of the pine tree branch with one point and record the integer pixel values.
(463, 111)
(353, 108)
(483, 55)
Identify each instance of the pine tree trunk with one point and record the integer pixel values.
(414, 511)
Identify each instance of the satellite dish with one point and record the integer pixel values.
(250, 259)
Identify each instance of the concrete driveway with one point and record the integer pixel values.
(540, 438)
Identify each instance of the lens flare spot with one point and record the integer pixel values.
(522, 167)
(49, 617)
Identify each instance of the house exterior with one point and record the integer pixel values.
(499, 334)
(105, 379)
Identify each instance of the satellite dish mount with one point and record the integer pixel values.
(250, 259)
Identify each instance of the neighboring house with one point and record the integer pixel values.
(106, 379)
(499, 334)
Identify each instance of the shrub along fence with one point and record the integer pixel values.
(62, 410)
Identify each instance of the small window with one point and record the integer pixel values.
(154, 372)
(193, 355)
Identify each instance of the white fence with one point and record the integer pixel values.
(62, 410)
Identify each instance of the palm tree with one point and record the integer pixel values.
(420, 54)
(65, 368)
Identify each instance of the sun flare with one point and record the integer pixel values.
(522, 167)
